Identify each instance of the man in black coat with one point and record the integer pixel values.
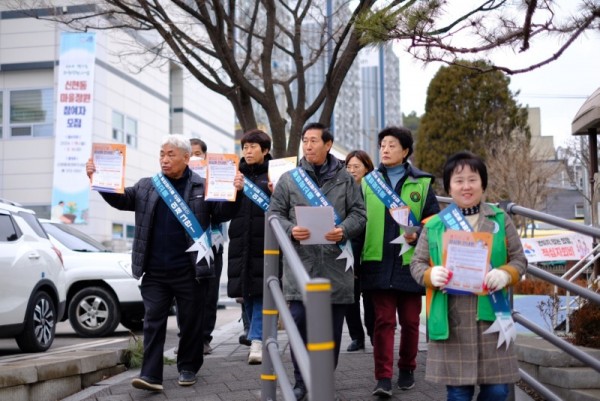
(174, 259)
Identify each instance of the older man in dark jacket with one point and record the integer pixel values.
(337, 185)
(173, 258)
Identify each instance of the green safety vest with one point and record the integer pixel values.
(437, 301)
(413, 194)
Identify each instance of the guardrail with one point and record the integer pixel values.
(316, 359)
(564, 282)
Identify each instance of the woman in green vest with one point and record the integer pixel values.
(395, 186)
(460, 355)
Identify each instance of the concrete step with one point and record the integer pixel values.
(537, 351)
(56, 376)
(564, 375)
(576, 395)
(570, 378)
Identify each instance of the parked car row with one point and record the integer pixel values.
(33, 284)
(101, 290)
(52, 272)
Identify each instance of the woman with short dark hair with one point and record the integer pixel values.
(246, 236)
(460, 353)
(398, 197)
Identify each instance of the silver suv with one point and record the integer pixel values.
(32, 284)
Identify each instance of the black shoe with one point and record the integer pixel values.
(406, 379)
(244, 340)
(147, 383)
(383, 388)
(186, 378)
(300, 391)
(355, 345)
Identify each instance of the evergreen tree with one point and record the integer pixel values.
(411, 121)
(466, 110)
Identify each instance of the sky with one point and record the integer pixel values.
(559, 89)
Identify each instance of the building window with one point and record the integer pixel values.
(31, 112)
(579, 211)
(124, 129)
(122, 231)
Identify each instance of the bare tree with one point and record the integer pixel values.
(520, 174)
(447, 31)
(576, 154)
(255, 53)
(261, 54)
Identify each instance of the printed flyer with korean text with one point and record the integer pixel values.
(109, 160)
(220, 173)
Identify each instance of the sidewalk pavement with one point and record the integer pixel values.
(226, 376)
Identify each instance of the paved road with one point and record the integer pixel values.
(66, 339)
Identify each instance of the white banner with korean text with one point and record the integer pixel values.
(73, 134)
(560, 247)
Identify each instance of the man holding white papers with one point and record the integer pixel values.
(397, 197)
(323, 178)
(470, 340)
(171, 250)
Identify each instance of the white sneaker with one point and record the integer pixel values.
(255, 355)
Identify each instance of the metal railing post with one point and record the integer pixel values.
(270, 314)
(315, 360)
(320, 343)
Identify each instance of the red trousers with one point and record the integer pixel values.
(408, 307)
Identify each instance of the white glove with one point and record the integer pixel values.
(439, 276)
(496, 279)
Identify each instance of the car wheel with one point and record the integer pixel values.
(94, 312)
(40, 324)
(133, 324)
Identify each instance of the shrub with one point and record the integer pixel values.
(585, 324)
(535, 286)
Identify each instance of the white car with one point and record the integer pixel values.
(101, 290)
(32, 280)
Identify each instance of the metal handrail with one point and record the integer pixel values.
(316, 364)
(511, 208)
(562, 283)
(585, 264)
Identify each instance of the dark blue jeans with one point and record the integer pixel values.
(487, 392)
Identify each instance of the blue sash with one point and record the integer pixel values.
(387, 195)
(315, 197)
(256, 195)
(186, 218)
(453, 219)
